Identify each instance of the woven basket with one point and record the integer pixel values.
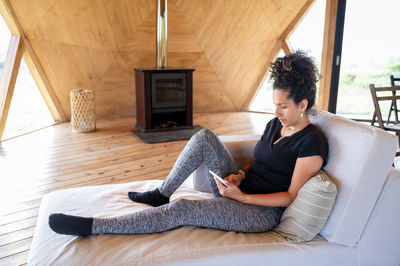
(83, 113)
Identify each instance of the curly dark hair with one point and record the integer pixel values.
(297, 74)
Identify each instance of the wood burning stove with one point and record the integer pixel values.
(164, 96)
(164, 99)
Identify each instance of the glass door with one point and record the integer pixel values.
(370, 54)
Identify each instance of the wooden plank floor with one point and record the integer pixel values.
(54, 158)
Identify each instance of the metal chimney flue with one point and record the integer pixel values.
(162, 34)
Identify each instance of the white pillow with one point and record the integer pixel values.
(306, 216)
(359, 159)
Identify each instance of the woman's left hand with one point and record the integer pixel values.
(232, 191)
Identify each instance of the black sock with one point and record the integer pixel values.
(70, 225)
(154, 197)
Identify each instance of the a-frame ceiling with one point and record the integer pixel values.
(85, 44)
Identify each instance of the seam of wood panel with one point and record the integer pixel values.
(221, 83)
(237, 108)
(9, 78)
(34, 65)
(40, 18)
(123, 48)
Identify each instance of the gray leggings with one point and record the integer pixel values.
(217, 213)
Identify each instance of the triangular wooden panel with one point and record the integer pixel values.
(127, 16)
(235, 37)
(140, 48)
(180, 36)
(72, 67)
(184, 51)
(76, 23)
(115, 91)
(209, 94)
(112, 95)
(96, 24)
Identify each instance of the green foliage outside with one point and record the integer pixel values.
(394, 66)
(354, 95)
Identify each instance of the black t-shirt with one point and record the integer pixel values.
(274, 164)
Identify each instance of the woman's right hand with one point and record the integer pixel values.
(234, 179)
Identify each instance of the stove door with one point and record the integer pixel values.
(168, 90)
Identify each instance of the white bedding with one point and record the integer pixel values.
(183, 246)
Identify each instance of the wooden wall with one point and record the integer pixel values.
(86, 44)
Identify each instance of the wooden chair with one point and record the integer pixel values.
(389, 126)
(393, 80)
(393, 106)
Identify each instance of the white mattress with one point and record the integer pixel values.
(183, 246)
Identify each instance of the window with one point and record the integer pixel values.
(308, 36)
(4, 41)
(263, 100)
(370, 54)
(28, 110)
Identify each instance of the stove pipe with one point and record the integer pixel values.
(162, 34)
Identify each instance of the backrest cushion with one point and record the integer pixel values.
(241, 147)
(359, 160)
(306, 216)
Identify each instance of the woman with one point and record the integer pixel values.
(289, 153)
